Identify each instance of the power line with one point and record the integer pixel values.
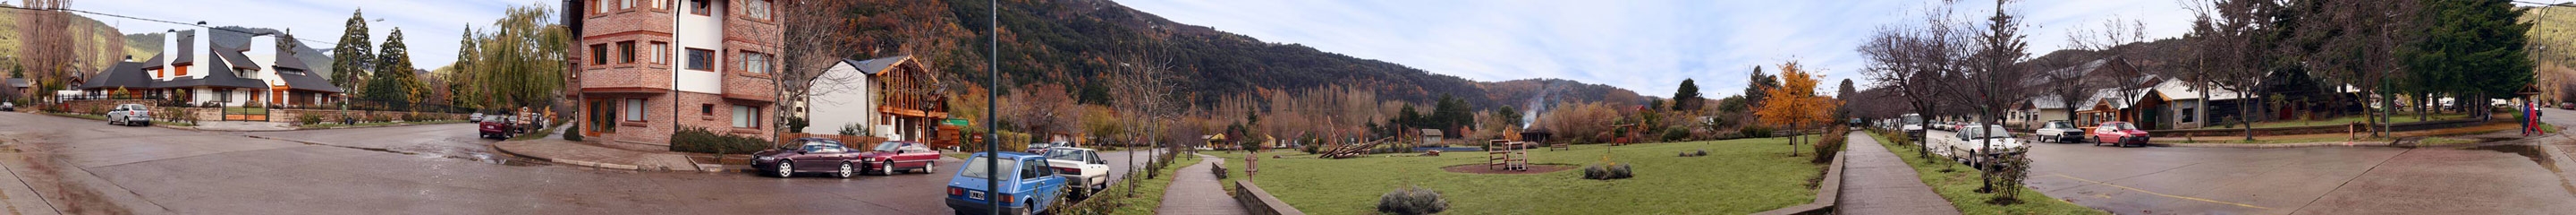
(161, 21)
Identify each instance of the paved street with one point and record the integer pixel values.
(84, 166)
(2499, 178)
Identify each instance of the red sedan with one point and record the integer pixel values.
(2118, 133)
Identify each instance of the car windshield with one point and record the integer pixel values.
(2059, 124)
(889, 146)
(1989, 132)
(1067, 154)
(2121, 126)
(975, 168)
(1040, 145)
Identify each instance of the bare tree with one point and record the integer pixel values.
(2071, 86)
(46, 45)
(812, 26)
(1996, 79)
(1917, 61)
(1147, 101)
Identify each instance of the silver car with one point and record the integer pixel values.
(130, 115)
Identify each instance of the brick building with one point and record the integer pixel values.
(647, 68)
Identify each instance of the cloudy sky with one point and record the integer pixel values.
(431, 28)
(1646, 46)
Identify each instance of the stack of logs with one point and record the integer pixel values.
(1354, 150)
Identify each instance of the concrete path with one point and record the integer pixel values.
(1195, 191)
(584, 154)
(1877, 182)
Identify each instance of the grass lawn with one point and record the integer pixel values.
(2397, 118)
(1959, 185)
(1738, 177)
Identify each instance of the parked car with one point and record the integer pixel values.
(2118, 133)
(1913, 126)
(1040, 148)
(811, 155)
(1028, 183)
(496, 127)
(1084, 166)
(130, 115)
(2059, 131)
(890, 157)
(1971, 144)
(2567, 105)
(6, 106)
(478, 117)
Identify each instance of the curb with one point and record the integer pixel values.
(506, 150)
(2280, 145)
(301, 128)
(1828, 190)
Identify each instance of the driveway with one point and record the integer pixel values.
(84, 166)
(2501, 178)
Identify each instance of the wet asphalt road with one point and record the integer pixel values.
(2315, 180)
(87, 166)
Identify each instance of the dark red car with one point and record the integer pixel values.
(497, 127)
(818, 155)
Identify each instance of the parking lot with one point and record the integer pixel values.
(2501, 178)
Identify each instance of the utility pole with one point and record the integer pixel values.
(992, 137)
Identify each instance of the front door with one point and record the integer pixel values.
(601, 118)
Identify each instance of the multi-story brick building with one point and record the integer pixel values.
(647, 68)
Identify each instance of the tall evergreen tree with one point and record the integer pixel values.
(1756, 89)
(1687, 98)
(394, 83)
(2471, 49)
(461, 74)
(350, 61)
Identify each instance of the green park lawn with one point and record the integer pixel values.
(1959, 184)
(1738, 177)
(1148, 192)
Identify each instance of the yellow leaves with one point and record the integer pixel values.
(1795, 102)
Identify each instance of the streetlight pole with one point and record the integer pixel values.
(993, 79)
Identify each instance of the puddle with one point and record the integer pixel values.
(2534, 153)
(504, 160)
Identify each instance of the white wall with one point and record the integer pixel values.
(846, 103)
(698, 32)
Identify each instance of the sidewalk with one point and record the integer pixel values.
(585, 154)
(1877, 182)
(1195, 191)
(243, 126)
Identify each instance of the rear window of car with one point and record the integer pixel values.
(975, 168)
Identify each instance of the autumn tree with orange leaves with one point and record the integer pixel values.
(1795, 104)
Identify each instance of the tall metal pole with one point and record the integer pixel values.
(993, 80)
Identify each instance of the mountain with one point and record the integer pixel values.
(105, 44)
(1074, 42)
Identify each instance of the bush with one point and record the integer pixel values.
(1675, 134)
(1753, 132)
(1602, 172)
(1312, 148)
(572, 132)
(701, 140)
(308, 119)
(1829, 146)
(1415, 200)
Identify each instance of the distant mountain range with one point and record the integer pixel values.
(1074, 42)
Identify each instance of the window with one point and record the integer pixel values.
(635, 110)
(626, 51)
(758, 9)
(602, 8)
(660, 51)
(2186, 114)
(701, 60)
(599, 54)
(625, 4)
(743, 117)
(755, 62)
(707, 109)
(657, 4)
(698, 7)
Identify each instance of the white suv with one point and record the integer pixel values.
(130, 115)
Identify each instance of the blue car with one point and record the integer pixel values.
(1028, 184)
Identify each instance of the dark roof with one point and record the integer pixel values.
(286, 60)
(18, 82)
(875, 66)
(233, 56)
(305, 80)
(127, 75)
(154, 63)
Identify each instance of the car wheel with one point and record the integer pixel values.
(885, 167)
(928, 168)
(845, 170)
(785, 169)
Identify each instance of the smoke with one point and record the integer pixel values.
(1537, 104)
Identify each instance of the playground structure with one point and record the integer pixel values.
(1508, 155)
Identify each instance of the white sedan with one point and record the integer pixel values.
(1081, 164)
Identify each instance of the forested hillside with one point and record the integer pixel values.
(1074, 42)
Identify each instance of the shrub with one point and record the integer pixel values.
(1829, 145)
(1312, 148)
(1753, 132)
(1606, 172)
(701, 140)
(1675, 134)
(570, 132)
(308, 119)
(1414, 200)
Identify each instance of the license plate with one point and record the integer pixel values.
(975, 195)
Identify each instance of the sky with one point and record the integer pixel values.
(431, 28)
(1643, 46)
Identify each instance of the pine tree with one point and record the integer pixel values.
(462, 73)
(393, 83)
(2472, 49)
(1687, 98)
(349, 61)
